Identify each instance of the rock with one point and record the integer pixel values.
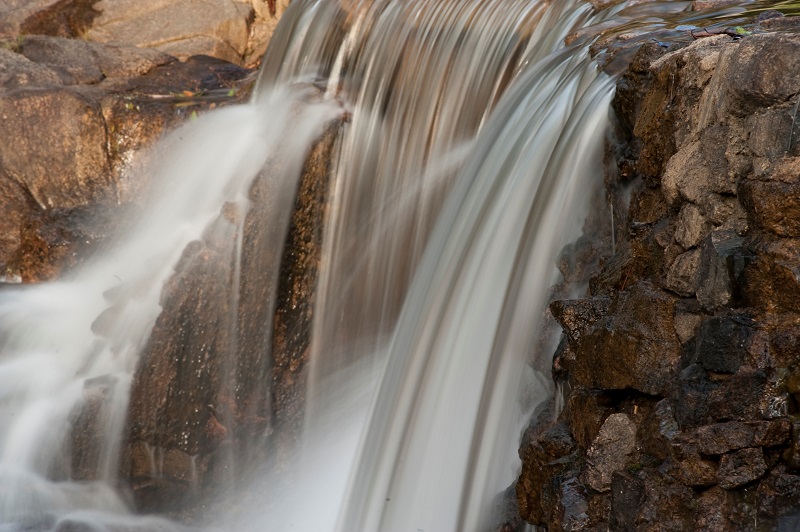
(577, 315)
(610, 451)
(687, 322)
(18, 71)
(722, 265)
(721, 343)
(691, 226)
(682, 277)
(649, 501)
(85, 62)
(634, 346)
(721, 438)
(764, 70)
(724, 511)
(692, 470)
(572, 511)
(63, 18)
(741, 467)
(698, 400)
(771, 280)
(777, 495)
(586, 410)
(774, 206)
(206, 27)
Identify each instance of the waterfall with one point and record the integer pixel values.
(472, 144)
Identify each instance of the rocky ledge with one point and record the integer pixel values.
(681, 367)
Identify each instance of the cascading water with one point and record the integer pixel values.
(472, 145)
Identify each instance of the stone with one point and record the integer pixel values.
(721, 438)
(773, 206)
(692, 470)
(585, 411)
(634, 346)
(572, 512)
(686, 325)
(722, 265)
(650, 501)
(741, 467)
(698, 400)
(611, 451)
(763, 70)
(682, 276)
(65, 18)
(576, 315)
(206, 27)
(777, 495)
(18, 71)
(721, 343)
(771, 280)
(85, 62)
(724, 511)
(691, 226)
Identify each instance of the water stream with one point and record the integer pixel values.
(473, 146)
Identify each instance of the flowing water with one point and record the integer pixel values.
(473, 146)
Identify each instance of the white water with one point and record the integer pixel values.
(473, 145)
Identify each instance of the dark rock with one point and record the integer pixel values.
(721, 438)
(771, 280)
(572, 512)
(699, 400)
(778, 495)
(692, 470)
(577, 315)
(650, 501)
(634, 346)
(658, 431)
(611, 451)
(741, 467)
(586, 410)
(721, 343)
(725, 511)
(722, 265)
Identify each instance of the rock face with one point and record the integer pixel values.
(75, 116)
(681, 364)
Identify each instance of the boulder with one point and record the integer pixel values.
(218, 28)
(611, 451)
(633, 346)
(741, 467)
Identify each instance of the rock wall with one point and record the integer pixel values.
(680, 366)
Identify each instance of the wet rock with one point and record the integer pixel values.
(577, 315)
(721, 343)
(722, 265)
(610, 451)
(741, 467)
(699, 400)
(720, 438)
(586, 410)
(777, 495)
(572, 512)
(215, 28)
(771, 280)
(692, 470)
(649, 501)
(631, 347)
(725, 511)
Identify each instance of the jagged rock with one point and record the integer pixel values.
(778, 494)
(206, 27)
(721, 343)
(691, 226)
(631, 347)
(774, 205)
(692, 470)
(682, 277)
(741, 467)
(610, 451)
(724, 511)
(586, 410)
(699, 400)
(720, 438)
(722, 265)
(577, 315)
(763, 70)
(648, 501)
(687, 320)
(572, 512)
(771, 280)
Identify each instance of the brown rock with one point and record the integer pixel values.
(577, 315)
(691, 226)
(741, 467)
(778, 494)
(721, 438)
(635, 346)
(721, 343)
(774, 206)
(722, 265)
(682, 276)
(700, 5)
(610, 451)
